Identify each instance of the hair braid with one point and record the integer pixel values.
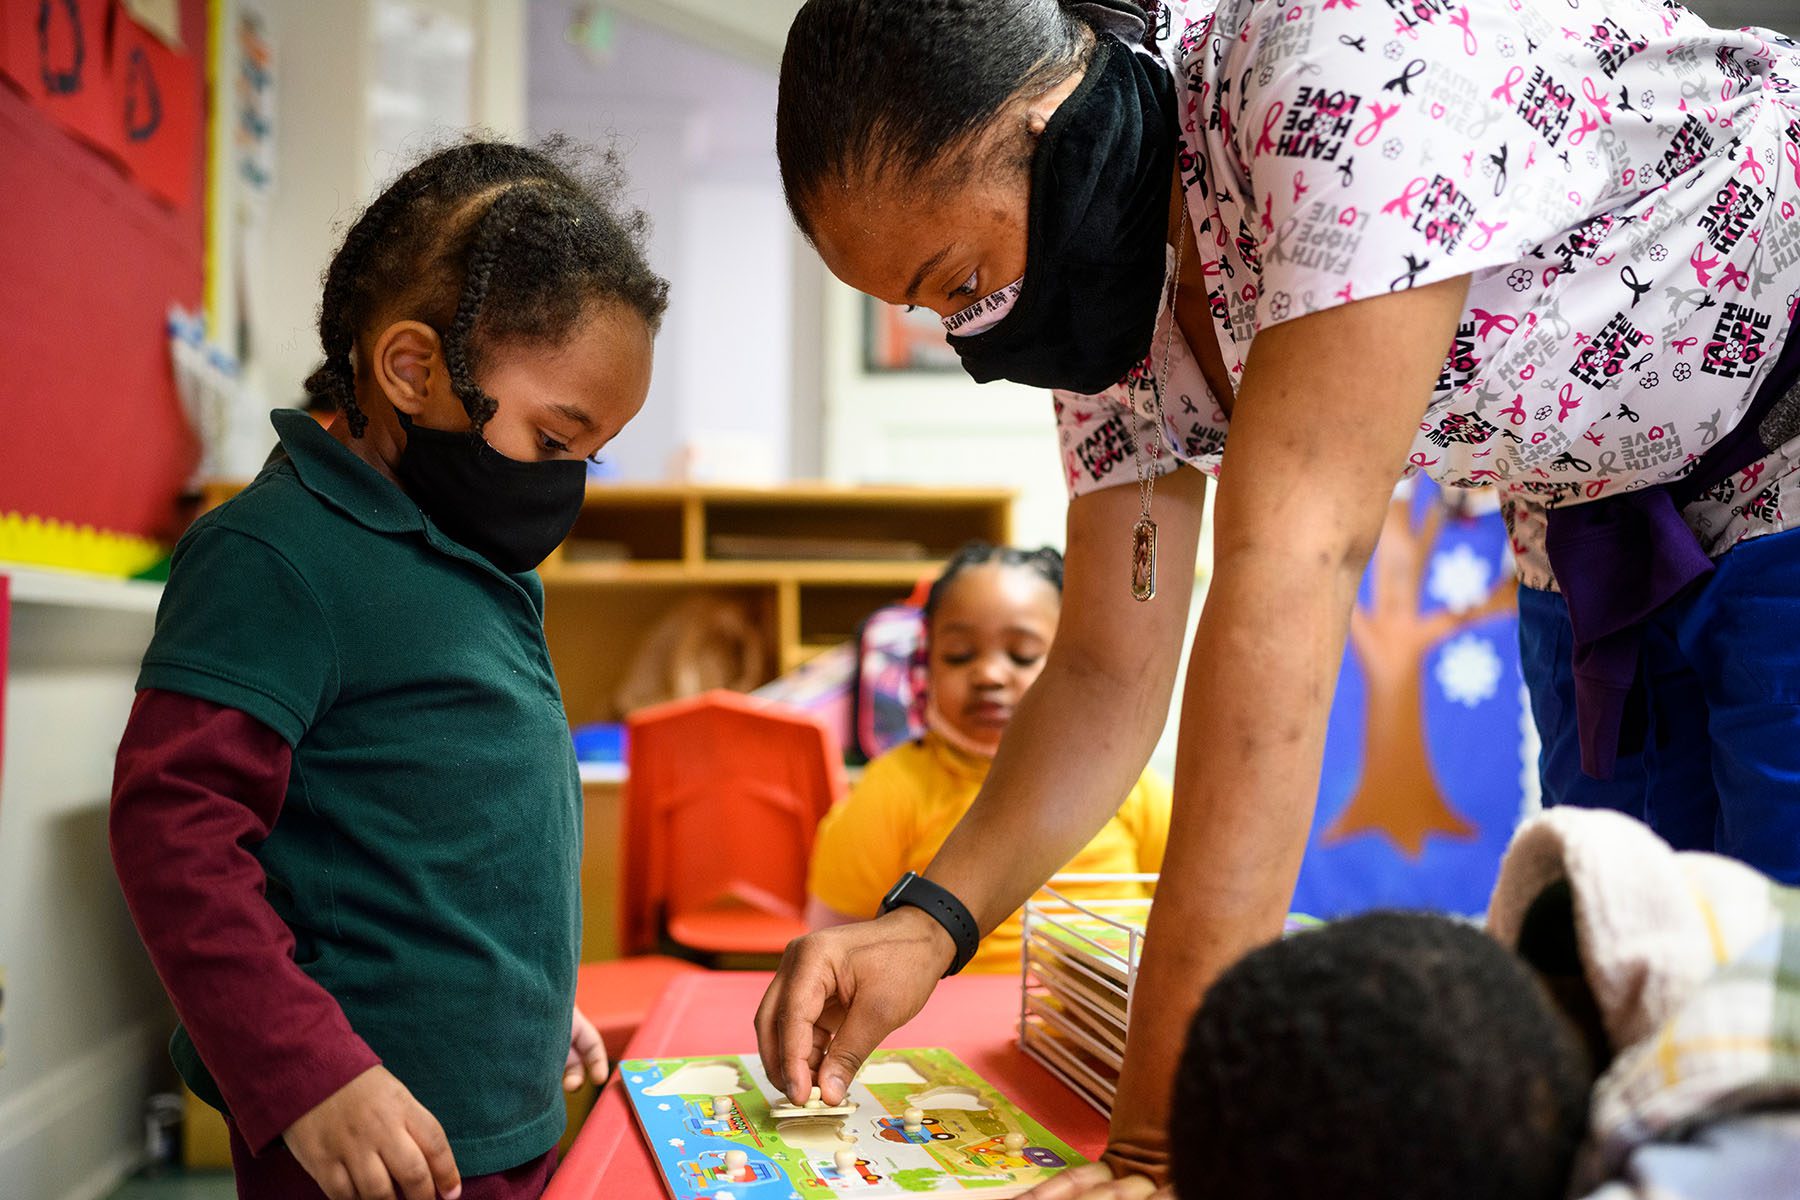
(491, 233)
(335, 378)
(1044, 562)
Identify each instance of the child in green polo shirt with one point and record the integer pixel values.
(346, 813)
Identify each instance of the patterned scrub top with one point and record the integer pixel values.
(1620, 181)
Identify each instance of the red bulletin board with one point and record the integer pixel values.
(91, 258)
(157, 98)
(54, 51)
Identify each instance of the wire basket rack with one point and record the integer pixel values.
(1079, 960)
(1078, 964)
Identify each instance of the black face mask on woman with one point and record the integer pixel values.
(511, 513)
(1096, 234)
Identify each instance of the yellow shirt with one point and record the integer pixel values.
(907, 802)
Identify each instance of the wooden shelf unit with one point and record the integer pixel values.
(639, 550)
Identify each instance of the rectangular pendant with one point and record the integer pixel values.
(1143, 559)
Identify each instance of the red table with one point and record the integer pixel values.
(975, 1016)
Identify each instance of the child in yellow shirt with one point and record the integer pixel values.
(989, 621)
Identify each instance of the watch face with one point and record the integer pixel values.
(893, 895)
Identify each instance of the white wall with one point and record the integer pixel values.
(696, 128)
(749, 30)
(936, 427)
(326, 170)
(320, 68)
(734, 316)
(86, 1021)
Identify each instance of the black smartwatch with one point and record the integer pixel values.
(915, 890)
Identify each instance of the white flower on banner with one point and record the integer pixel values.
(1460, 578)
(1469, 670)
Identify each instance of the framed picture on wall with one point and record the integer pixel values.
(896, 340)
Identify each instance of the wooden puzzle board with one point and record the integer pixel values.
(960, 1145)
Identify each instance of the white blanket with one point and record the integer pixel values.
(1694, 961)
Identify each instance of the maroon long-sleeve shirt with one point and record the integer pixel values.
(197, 786)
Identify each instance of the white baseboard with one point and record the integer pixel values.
(104, 1179)
(102, 1090)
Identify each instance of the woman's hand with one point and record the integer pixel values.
(1135, 1166)
(370, 1140)
(1099, 1181)
(839, 992)
(587, 1054)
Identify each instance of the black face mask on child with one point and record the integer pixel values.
(1096, 234)
(511, 513)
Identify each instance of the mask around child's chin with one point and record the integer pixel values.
(938, 723)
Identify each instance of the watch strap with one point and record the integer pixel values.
(941, 905)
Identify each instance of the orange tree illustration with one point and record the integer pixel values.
(1397, 795)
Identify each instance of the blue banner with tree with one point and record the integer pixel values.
(1429, 745)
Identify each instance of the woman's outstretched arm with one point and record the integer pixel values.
(1077, 744)
(1329, 406)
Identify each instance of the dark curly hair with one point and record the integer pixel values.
(486, 242)
(873, 85)
(1044, 562)
(1397, 1055)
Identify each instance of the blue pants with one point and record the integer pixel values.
(1720, 767)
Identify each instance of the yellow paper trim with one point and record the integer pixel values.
(51, 543)
(216, 193)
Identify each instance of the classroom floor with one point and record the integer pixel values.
(193, 1185)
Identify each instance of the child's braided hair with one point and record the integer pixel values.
(1045, 562)
(486, 242)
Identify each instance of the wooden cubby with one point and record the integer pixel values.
(637, 551)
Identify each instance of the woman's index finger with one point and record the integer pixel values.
(796, 1027)
(790, 1019)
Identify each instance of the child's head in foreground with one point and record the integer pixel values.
(989, 621)
(497, 293)
(1396, 1055)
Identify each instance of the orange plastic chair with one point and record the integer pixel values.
(722, 797)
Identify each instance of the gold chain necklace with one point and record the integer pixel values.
(1143, 534)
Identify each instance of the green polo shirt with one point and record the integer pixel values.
(427, 854)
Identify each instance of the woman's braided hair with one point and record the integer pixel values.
(874, 85)
(487, 243)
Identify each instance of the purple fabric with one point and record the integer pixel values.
(1619, 559)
